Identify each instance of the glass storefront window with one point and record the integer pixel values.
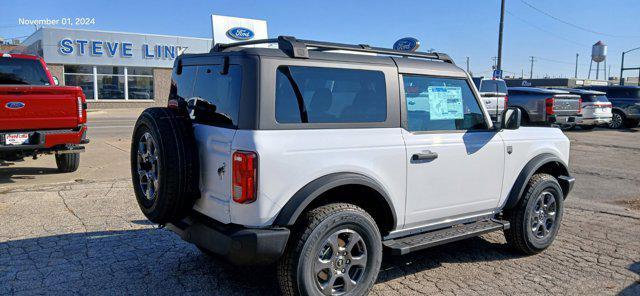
(110, 70)
(140, 88)
(140, 71)
(83, 81)
(78, 69)
(111, 82)
(110, 87)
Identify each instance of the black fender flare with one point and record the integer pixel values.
(307, 194)
(565, 180)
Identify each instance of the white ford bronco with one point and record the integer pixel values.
(317, 159)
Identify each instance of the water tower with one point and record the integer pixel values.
(598, 55)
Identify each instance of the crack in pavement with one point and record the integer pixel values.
(64, 201)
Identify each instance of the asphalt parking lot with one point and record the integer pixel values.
(82, 233)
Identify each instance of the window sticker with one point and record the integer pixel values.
(445, 102)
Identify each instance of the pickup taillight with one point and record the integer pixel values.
(580, 106)
(81, 105)
(549, 106)
(245, 176)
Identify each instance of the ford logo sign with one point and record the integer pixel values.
(407, 44)
(15, 105)
(240, 33)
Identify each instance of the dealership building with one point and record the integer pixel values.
(126, 70)
(114, 69)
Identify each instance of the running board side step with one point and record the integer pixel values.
(405, 245)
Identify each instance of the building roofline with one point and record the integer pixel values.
(117, 32)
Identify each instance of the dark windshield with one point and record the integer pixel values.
(22, 71)
(498, 86)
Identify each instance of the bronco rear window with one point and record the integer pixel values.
(218, 95)
(329, 95)
(22, 71)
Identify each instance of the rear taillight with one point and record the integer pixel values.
(549, 106)
(579, 105)
(245, 176)
(506, 102)
(80, 110)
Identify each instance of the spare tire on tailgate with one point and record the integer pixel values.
(164, 164)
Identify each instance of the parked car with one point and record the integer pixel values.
(38, 117)
(494, 95)
(317, 161)
(596, 108)
(541, 106)
(626, 104)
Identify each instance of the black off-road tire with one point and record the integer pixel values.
(68, 163)
(295, 269)
(520, 236)
(177, 165)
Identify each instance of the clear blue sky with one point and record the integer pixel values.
(459, 27)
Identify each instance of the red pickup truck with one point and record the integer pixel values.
(38, 117)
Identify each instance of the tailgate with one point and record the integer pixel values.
(493, 102)
(566, 105)
(38, 107)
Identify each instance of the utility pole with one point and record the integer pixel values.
(495, 63)
(533, 59)
(467, 64)
(576, 74)
(522, 73)
(499, 66)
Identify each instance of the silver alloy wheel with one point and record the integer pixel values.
(341, 262)
(148, 172)
(616, 120)
(543, 215)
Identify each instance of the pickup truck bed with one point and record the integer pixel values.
(546, 106)
(35, 115)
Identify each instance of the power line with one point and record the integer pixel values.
(574, 25)
(546, 31)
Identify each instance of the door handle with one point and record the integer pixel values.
(424, 155)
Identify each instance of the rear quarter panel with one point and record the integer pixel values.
(290, 159)
(527, 143)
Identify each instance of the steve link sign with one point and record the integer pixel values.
(117, 49)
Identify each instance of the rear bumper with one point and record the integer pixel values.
(63, 141)
(594, 120)
(238, 244)
(563, 119)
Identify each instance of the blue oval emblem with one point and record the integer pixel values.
(240, 33)
(15, 105)
(407, 44)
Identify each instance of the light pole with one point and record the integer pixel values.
(499, 65)
(622, 68)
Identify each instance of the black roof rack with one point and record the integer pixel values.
(297, 48)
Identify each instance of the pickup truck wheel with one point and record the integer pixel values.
(68, 163)
(617, 120)
(334, 250)
(164, 165)
(535, 220)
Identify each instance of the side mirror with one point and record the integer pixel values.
(511, 118)
(56, 81)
